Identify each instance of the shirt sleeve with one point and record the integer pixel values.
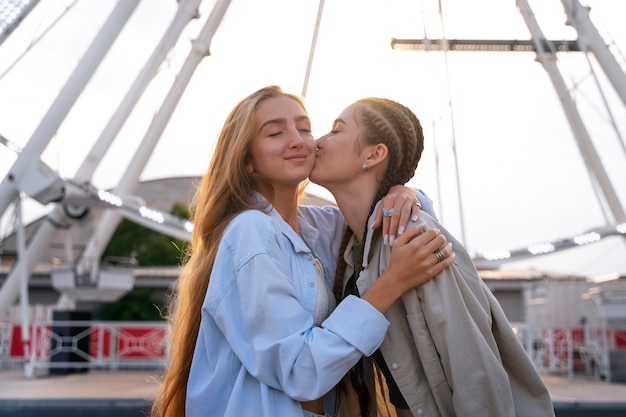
(256, 304)
(427, 203)
(458, 314)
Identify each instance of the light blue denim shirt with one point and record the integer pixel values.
(258, 351)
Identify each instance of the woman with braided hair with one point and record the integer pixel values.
(449, 350)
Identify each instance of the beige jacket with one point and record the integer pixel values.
(450, 347)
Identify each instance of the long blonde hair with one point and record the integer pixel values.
(224, 191)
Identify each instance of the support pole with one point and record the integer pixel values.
(130, 179)
(583, 139)
(187, 10)
(61, 106)
(590, 38)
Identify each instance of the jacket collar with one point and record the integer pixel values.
(308, 232)
(370, 235)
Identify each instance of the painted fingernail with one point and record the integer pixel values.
(414, 217)
(400, 230)
(391, 239)
(386, 240)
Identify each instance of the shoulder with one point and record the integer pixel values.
(251, 228)
(250, 235)
(431, 222)
(427, 203)
(325, 212)
(251, 220)
(321, 215)
(325, 223)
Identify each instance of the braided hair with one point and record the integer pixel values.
(395, 125)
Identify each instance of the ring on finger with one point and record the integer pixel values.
(419, 205)
(387, 212)
(440, 256)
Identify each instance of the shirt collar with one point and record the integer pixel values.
(370, 235)
(308, 232)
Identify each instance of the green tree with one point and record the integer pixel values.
(145, 246)
(141, 304)
(140, 246)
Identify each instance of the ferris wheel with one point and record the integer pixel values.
(77, 201)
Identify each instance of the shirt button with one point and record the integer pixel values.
(394, 366)
(419, 412)
(310, 257)
(311, 284)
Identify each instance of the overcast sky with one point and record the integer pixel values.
(522, 178)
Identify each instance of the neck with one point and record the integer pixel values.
(354, 201)
(285, 201)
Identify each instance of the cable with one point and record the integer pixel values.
(313, 45)
(453, 137)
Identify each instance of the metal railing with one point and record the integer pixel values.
(77, 346)
(579, 351)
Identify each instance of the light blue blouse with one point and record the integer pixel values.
(258, 351)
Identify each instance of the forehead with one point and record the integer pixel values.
(348, 116)
(280, 108)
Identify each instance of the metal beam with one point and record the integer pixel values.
(483, 45)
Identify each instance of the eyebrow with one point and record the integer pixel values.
(282, 120)
(340, 120)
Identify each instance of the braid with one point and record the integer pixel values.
(357, 372)
(395, 125)
(340, 271)
(381, 121)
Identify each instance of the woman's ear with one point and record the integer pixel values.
(376, 154)
(249, 168)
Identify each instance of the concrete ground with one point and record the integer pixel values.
(129, 393)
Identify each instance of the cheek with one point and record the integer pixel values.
(337, 150)
(310, 144)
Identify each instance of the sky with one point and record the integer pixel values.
(522, 179)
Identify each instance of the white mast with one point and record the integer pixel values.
(19, 172)
(590, 39)
(130, 179)
(583, 139)
(23, 173)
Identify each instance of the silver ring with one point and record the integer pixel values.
(387, 212)
(440, 256)
(418, 205)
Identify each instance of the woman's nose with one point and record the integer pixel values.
(297, 139)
